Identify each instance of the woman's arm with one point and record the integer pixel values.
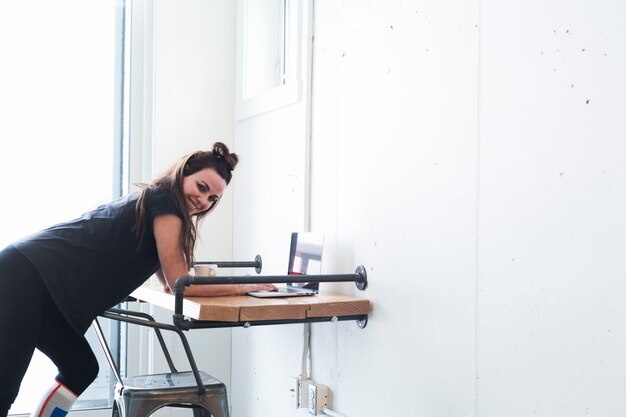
(168, 234)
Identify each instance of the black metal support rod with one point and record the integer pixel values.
(257, 264)
(184, 324)
(250, 279)
(107, 351)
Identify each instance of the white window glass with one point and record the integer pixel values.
(273, 38)
(265, 48)
(56, 133)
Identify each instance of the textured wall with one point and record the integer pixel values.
(470, 155)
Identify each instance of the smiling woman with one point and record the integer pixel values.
(72, 272)
(203, 190)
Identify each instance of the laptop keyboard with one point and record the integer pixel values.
(289, 290)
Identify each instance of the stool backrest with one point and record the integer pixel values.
(143, 319)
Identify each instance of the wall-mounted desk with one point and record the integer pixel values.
(237, 311)
(245, 311)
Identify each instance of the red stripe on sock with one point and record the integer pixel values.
(48, 399)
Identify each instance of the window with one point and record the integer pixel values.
(269, 48)
(61, 105)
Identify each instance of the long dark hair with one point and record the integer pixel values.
(219, 158)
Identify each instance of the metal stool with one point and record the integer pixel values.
(142, 395)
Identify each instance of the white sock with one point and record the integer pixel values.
(56, 402)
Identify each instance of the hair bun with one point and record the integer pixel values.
(221, 151)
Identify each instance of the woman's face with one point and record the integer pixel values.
(202, 190)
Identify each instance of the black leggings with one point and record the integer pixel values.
(29, 319)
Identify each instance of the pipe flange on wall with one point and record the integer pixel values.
(259, 264)
(361, 279)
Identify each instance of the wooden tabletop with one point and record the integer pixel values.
(245, 308)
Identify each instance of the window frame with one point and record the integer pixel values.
(120, 178)
(290, 91)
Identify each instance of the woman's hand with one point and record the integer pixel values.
(246, 288)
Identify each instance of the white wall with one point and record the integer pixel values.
(551, 221)
(454, 154)
(394, 181)
(270, 195)
(193, 106)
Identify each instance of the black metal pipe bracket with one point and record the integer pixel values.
(361, 281)
(257, 264)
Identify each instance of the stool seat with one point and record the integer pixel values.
(172, 382)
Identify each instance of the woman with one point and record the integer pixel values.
(55, 282)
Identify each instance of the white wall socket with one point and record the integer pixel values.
(300, 392)
(318, 398)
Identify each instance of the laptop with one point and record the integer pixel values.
(305, 258)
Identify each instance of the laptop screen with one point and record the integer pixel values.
(305, 256)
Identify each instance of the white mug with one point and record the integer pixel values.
(208, 270)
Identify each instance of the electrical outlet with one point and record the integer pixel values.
(300, 392)
(313, 399)
(304, 392)
(295, 392)
(318, 398)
